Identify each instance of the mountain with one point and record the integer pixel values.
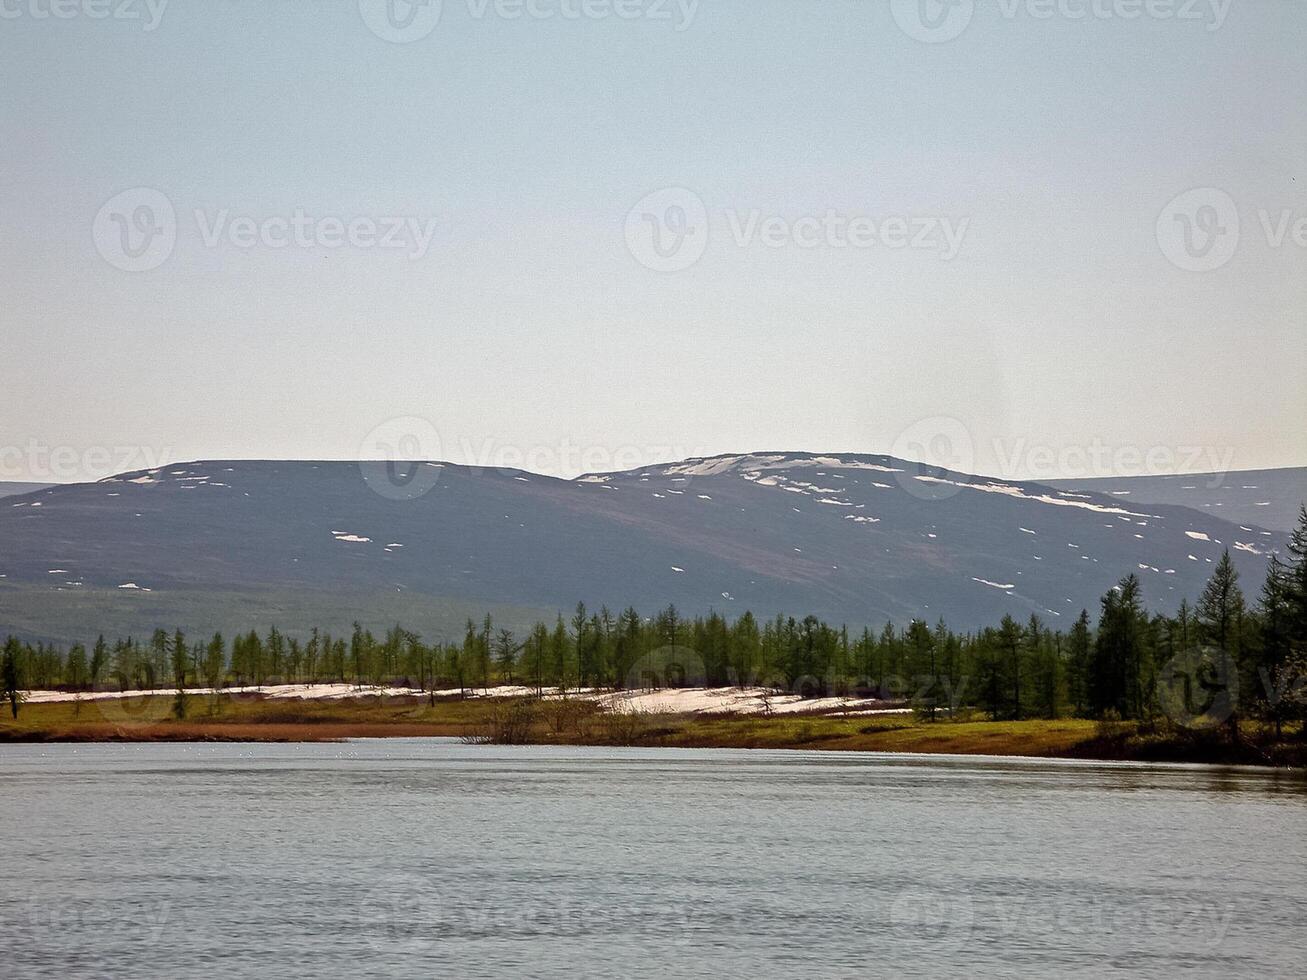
(9, 489)
(852, 538)
(1270, 498)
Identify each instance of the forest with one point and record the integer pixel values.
(1225, 658)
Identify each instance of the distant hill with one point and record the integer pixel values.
(14, 489)
(852, 538)
(1269, 498)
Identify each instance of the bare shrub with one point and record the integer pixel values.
(628, 727)
(508, 721)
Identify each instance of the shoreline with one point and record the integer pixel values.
(591, 719)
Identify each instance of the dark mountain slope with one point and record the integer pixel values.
(858, 539)
(1269, 498)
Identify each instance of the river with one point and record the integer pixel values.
(410, 857)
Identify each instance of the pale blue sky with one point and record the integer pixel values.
(530, 326)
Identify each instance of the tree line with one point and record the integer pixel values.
(1123, 664)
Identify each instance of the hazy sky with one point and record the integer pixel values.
(975, 245)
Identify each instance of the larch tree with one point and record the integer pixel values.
(1219, 616)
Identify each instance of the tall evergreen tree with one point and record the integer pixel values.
(1009, 635)
(1272, 660)
(1219, 615)
(1078, 661)
(1119, 650)
(505, 654)
(10, 682)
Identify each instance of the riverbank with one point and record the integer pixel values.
(259, 717)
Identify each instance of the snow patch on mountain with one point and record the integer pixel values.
(1043, 498)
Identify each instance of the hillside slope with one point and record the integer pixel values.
(857, 539)
(1270, 498)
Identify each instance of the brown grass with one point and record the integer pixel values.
(576, 722)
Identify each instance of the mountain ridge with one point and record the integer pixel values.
(857, 538)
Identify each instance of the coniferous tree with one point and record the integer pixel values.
(1078, 660)
(76, 674)
(1219, 616)
(1010, 634)
(559, 648)
(925, 669)
(10, 683)
(214, 661)
(1120, 648)
(746, 650)
(1273, 657)
(99, 658)
(505, 654)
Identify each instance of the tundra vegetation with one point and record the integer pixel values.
(1225, 677)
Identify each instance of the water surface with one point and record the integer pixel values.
(427, 857)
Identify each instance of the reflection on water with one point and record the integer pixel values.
(428, 857)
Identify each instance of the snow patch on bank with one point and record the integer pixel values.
(721, 700)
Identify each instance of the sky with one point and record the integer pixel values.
(1029, 238)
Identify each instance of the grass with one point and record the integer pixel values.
(521, 721)
(240, 718)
